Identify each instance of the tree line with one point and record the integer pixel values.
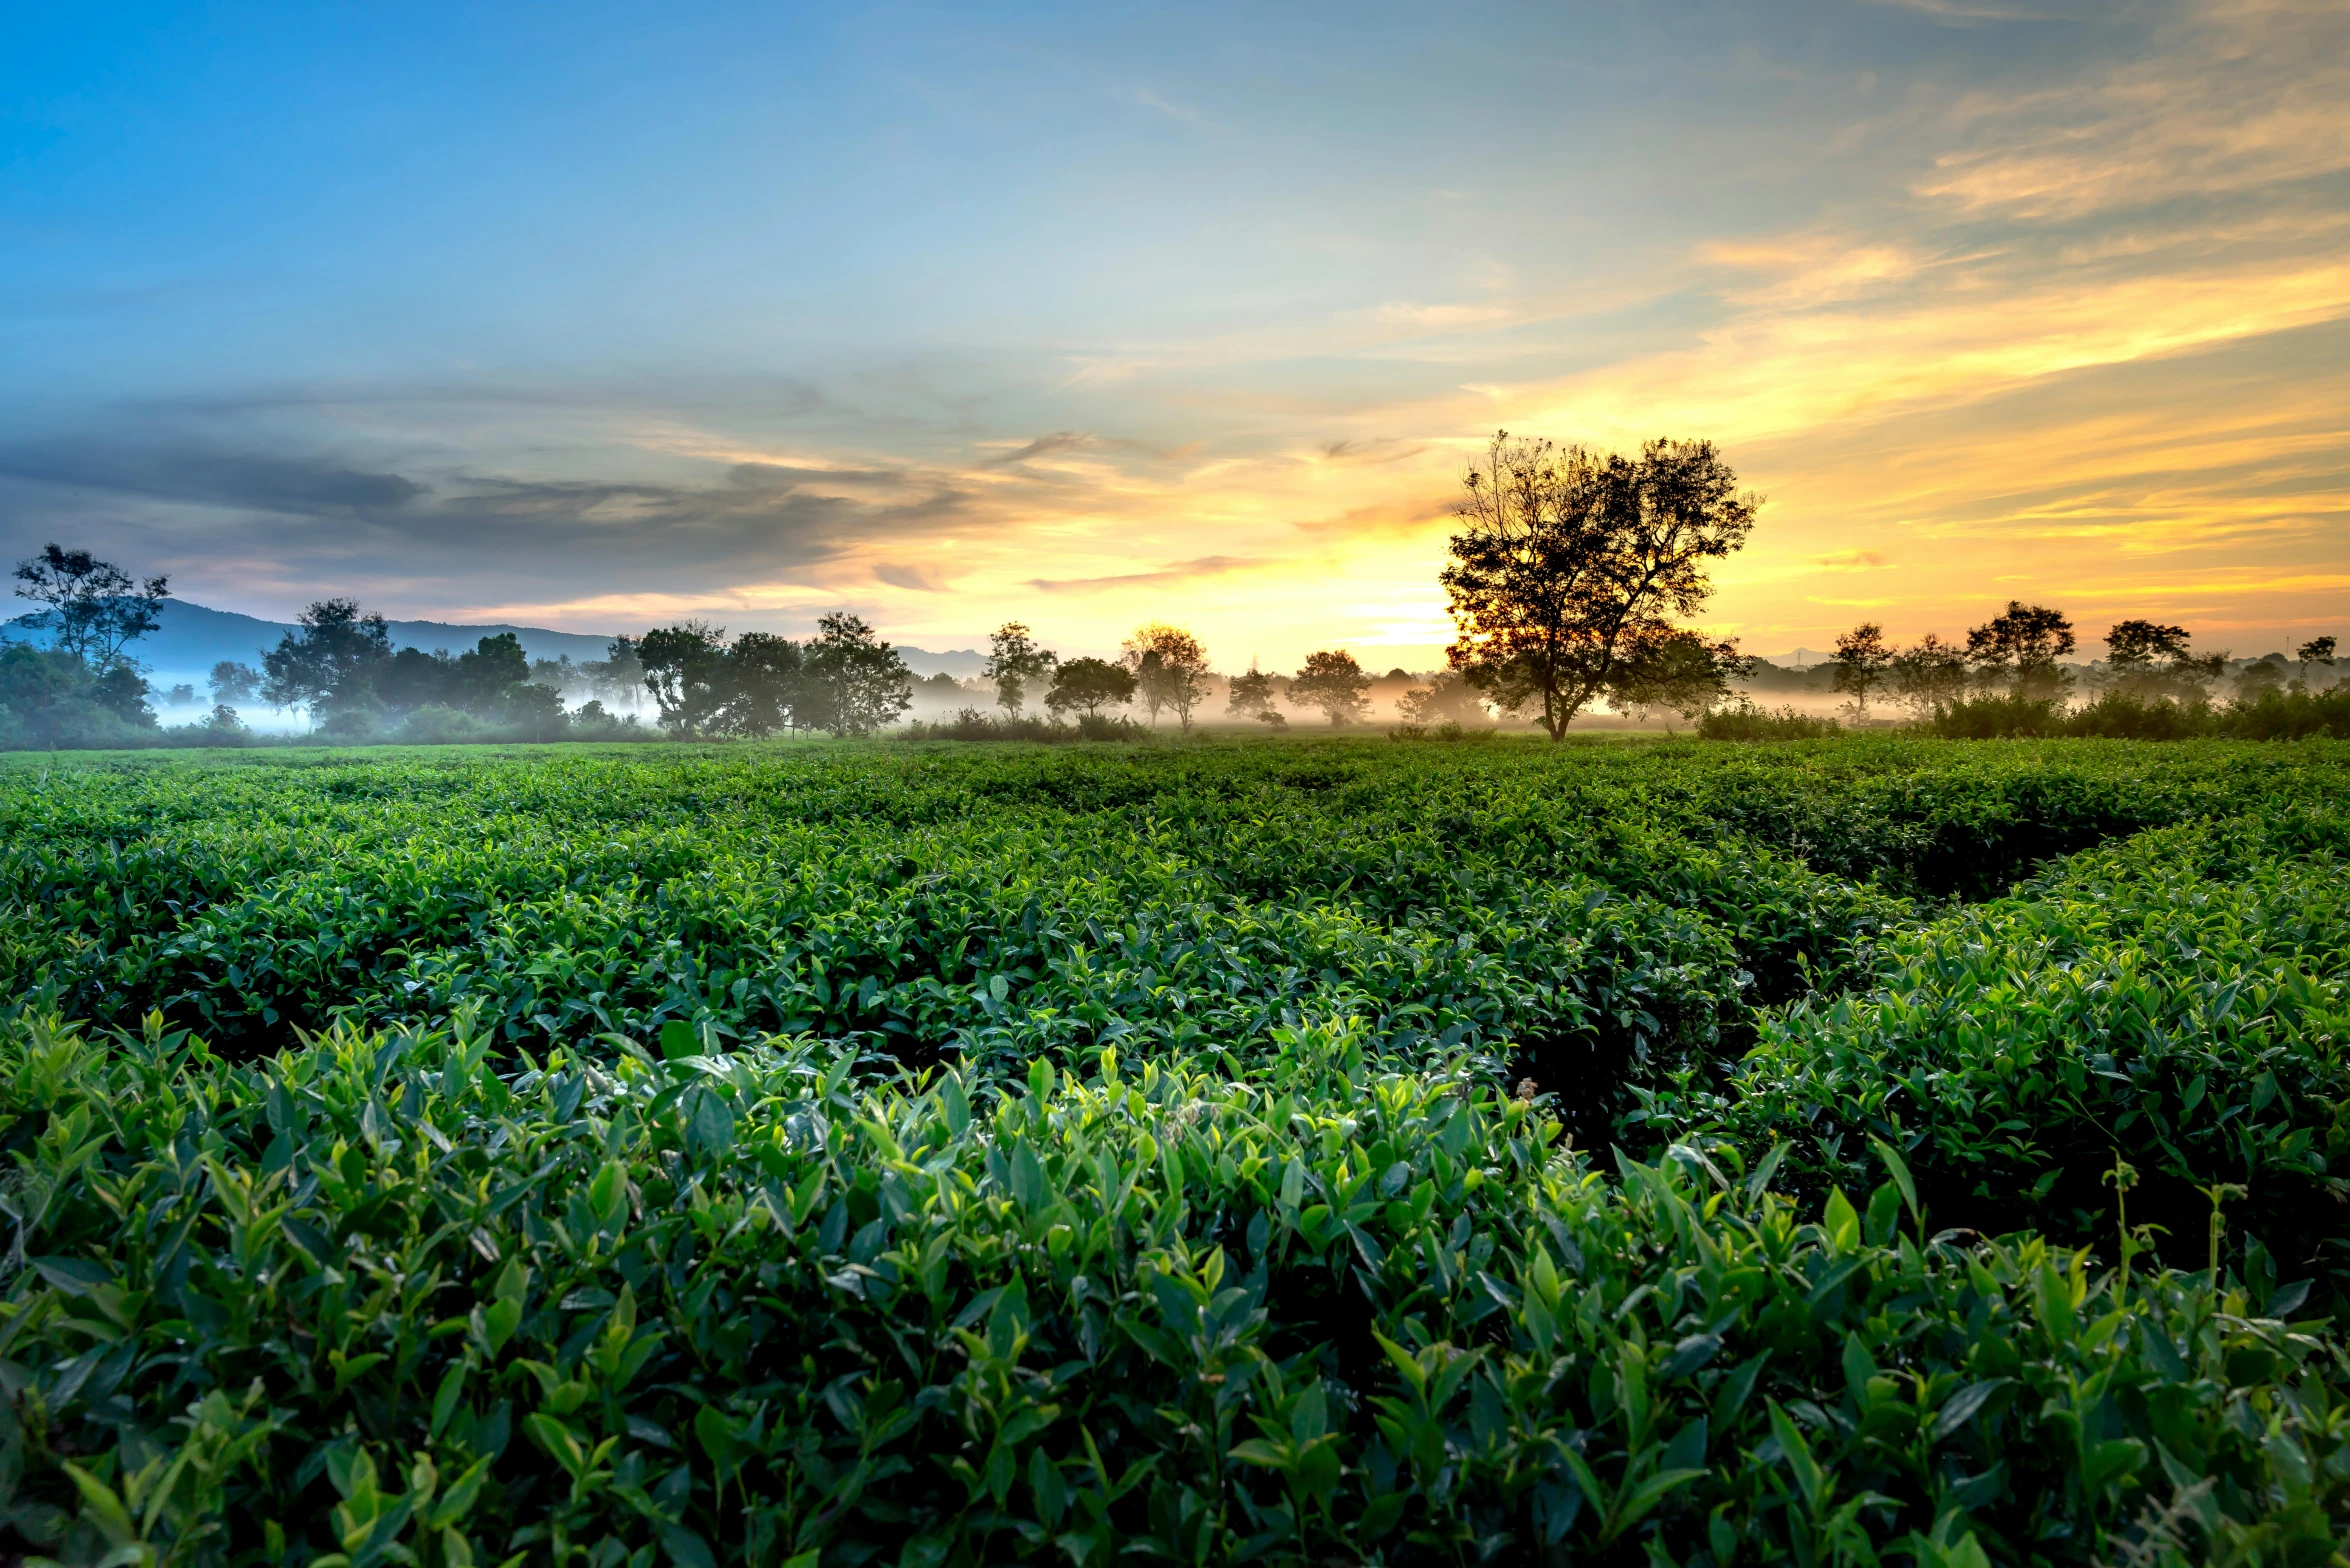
(1570, 579)
(2015, 657)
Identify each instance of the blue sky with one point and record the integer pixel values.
(592, 316)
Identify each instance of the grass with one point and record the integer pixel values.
(1295, 1151)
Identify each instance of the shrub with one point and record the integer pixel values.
(1745, 721)
(1108, 726)
(436, 724)
(1990, 718)
(2290, 715)
(2133, 717)
(731, 1306)
(961, 1154)
(2181, 1002)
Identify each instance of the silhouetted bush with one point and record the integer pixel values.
(2289, 715)
(2133, 717)
(1748, 722)
(979, 724)
(1992, 718)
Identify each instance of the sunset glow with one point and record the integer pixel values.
(1086, 317)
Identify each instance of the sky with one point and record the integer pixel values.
(596, 317)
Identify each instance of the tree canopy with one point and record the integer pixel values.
(2148, 659)
(95, 608)
(1089, 685)
(2018, 649)
(327, 663)
(1864, 662)
(1170, 669)
(1014, 661)
(1570, 564)
(1335, 683)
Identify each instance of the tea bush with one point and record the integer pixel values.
(377, 1297)
(1296, 1152)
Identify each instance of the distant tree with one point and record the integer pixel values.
(231, 682)
(488, 676)
(942, 692)
(1250, 696)
(527, 710)
(411, 679)
(1013, 662)
(763, 684)
(2150, 660)
(1398, 673)
(328, 663)
(2257, 679)
(1931, 675)
(181, 695)
(1864, 662)
(2019, 648)
(1170, 669)
(685, 670)
(95, 609)
(561, 676)
(619, 675)
(1568, 562)
(1089, 685)
(860, 680)
(1679, 671)
(1335, 683)
(1448, 698)
(2311, 654)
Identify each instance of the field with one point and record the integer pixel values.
(1303, 1152)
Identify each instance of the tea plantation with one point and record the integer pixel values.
(1855, 1151)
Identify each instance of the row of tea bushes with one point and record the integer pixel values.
(2179, 1001)
(383, 1299)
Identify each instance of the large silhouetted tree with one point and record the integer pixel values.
(1335, 683)
(1014, 662)
(764, 685)
(685, 670)
(1088, 686)
(328, 663)
(95, 608)
(2018, 649)
(1864, 662)
(1170, 669)
(859, 681)
(2148, 659)
(1250, 696)
(1931, 675)
(1569, 563)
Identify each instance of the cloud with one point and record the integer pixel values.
(1043, 446)
(1377, 450)
(2235, 98)
(755, 519)
(914, 579)
(1179, 572)
(1964, 13)
(1173, 111)
(202, 476)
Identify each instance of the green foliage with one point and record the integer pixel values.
(1748, 722)
(377, 1299)
(831, 1154)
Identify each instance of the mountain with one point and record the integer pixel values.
(194, 637)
